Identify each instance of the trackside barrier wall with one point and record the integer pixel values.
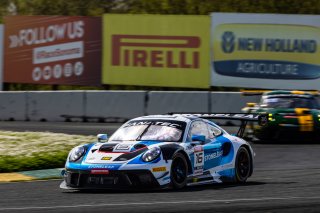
(164, 102)
(13, 106)
(115, 104)
(51, 105)
(230, 102)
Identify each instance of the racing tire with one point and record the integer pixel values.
(179, 171)
(243, 165)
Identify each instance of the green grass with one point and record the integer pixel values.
(23, 151)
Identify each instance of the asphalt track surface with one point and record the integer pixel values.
(286, 179)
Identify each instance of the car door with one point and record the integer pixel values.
(213, 149)
(207, 154)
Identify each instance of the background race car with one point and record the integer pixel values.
(162, 151)
(291, 115)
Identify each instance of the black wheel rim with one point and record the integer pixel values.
(179, 170)
(243, 164)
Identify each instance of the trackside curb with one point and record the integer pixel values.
(31, 175)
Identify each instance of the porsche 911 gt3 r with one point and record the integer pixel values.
(162, 151)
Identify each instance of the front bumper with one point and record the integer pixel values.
(116, 179)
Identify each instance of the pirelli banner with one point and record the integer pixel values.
(156, 50)
(265, 51)
(53, 50)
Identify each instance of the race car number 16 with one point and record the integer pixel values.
(199, 158)
(198, 162)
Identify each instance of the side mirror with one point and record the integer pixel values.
(200, 138)
(251, 104)
(102, 137)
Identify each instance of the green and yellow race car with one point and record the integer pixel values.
(291, 115)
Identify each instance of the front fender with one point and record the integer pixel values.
(168, 150)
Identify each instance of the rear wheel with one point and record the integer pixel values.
(179, 171)
(243, 165)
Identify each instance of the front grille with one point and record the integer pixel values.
(115, 179)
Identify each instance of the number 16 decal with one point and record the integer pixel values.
(199, 157)
(198, 161)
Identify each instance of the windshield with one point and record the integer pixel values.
(154, 130)
(289, 102)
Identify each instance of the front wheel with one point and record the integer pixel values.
(179, 171)
(243, 165)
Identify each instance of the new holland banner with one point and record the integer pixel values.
(265, 51)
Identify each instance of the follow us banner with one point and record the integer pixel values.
(265, 51)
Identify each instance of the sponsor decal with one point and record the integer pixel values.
(198, 148)
(101, 167)
(155, 55)
(106, 158)
(100, 172)
(230, 116)
(176, 124)
(272, 51)
(123, 147)
(159, 169)
(305, 120)
(213, 155)
(154, 52)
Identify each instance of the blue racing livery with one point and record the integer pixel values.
(174, 150)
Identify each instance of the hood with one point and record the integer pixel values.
(114, 151)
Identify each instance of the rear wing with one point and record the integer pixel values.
(293, 92)
(262, 119)
(253, 92)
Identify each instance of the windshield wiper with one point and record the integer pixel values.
(144, 131)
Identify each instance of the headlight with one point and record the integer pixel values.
(151, 154)
(271, 118)
(76, 153)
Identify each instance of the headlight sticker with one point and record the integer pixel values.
(159, 169)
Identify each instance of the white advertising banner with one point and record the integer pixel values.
(268, 51)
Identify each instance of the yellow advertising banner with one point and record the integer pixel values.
(156, 50)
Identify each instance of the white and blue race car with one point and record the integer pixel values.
(162, 151)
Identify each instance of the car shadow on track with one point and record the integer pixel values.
(217, 186)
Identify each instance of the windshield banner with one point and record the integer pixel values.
(265, 51)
